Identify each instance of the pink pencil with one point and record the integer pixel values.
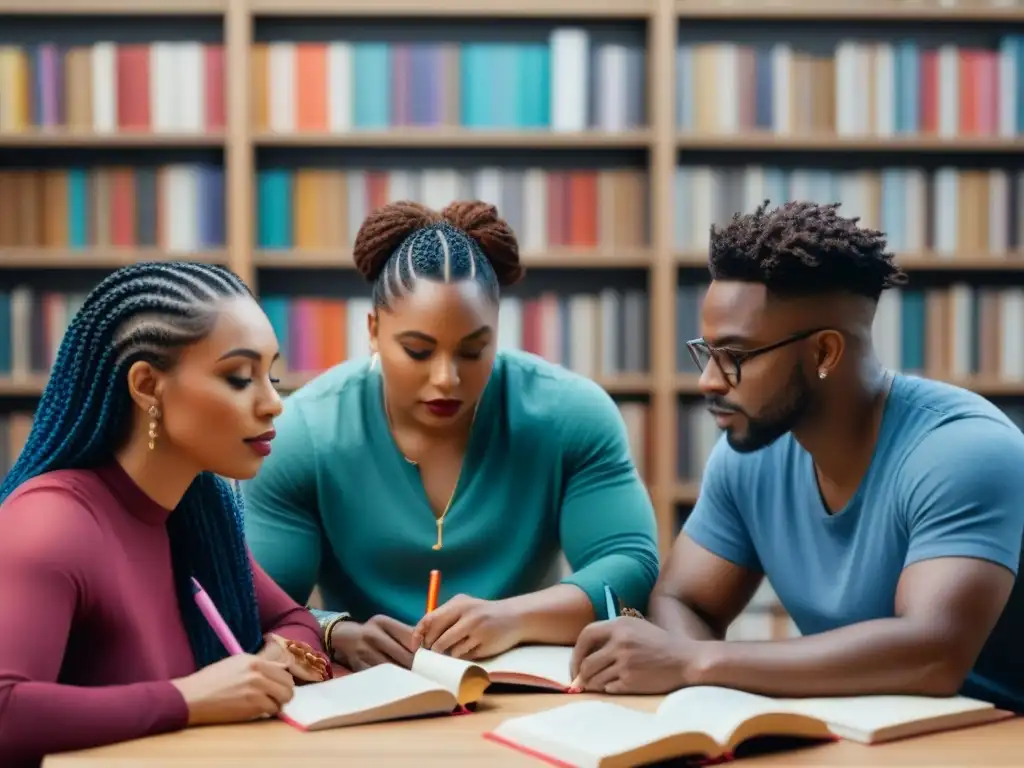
(214, 619)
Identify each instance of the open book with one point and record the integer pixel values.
(436, 684)
(712, 722)
(535, 666)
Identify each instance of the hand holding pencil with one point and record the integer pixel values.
(239, 688)
(464, 627)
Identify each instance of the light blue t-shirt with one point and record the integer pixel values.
(946, 480)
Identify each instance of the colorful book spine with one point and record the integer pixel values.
(600, 336)
(885, 89)
(159, 87)
(176, 208)
(962, 332)
(317, 209)
(939, 212)
(566, 83)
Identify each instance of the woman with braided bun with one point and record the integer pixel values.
(441, 452)
(160, 388)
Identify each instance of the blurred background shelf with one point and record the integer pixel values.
(612, 135)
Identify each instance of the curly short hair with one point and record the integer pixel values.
(803, 249)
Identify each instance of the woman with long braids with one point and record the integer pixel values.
(160, 389)
(441, 452)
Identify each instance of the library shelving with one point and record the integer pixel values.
(258, 133)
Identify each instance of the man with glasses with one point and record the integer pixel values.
(887, 511)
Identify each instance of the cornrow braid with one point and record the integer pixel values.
(403, 242)
(148, 311)
(803, 248)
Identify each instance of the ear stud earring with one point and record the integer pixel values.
(822, 373)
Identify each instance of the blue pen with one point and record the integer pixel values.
(609, 601)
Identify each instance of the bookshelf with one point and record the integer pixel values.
(685, 139)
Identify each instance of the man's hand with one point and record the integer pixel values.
(468, 628)
(628, 655)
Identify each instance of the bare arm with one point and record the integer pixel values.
(959, 496)
(699, 594)
(945, 610)
(552, 616)
(713, 569)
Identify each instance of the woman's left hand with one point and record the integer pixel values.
(468, 628)
(304, 664)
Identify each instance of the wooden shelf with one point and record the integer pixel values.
(113, 7)
(658, 148)
(32, 385)
(935, 262)
(22, 386)
(456, 138)
(622, 9)
(622, 384)
(554, 258)
(686, 493)
(911, 262)
(839, 10)
(687, 384)
(65, 138)
(97, 258)
(771, 142)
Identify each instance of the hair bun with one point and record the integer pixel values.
(384, 230)
(495, 237)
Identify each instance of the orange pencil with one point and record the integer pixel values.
(432, 590)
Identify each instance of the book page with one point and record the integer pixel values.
(371, 689)
(465, 680)
(868, 714)
(584, 733)
(718, 712)
(545, 662)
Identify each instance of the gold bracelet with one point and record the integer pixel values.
(328, 627)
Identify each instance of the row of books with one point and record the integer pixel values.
(596, 335)
(956, 332)
(945, 211)
(323, 208)
(601, 334)
(178, 208)
(570, 82)
(164, 86)
(566, 83)
(858, 89)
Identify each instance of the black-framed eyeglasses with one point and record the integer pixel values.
(729, 361)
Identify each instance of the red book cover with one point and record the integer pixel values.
(133, 87)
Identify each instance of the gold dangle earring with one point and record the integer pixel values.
(154, 414)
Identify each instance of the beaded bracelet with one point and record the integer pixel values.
(328, 624)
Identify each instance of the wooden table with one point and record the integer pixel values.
(456, 741)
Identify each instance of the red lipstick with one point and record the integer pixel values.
(261, 443)
(444, 409)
